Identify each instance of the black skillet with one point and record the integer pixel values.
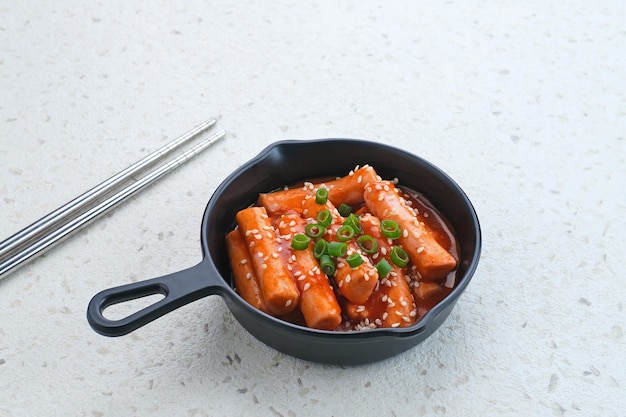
(284, 163)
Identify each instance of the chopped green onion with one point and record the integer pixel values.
(327, 264)
(345, 233)
(383, 268)
(399, 257)
(354, 260)
(321, 196)
(354, 222)
(344, 210)
(324, 218)
(337, 249)
(300, 242)
(320, 248)
(367, 244)
(390, 229)
(314, 230)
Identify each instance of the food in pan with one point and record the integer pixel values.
(353, 253)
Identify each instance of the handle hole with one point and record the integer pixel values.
(124, 309)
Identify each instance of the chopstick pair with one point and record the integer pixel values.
(62, 222)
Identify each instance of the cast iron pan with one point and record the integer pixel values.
(284, 163)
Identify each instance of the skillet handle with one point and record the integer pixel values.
(179, 288)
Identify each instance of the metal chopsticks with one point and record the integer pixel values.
(59, 224)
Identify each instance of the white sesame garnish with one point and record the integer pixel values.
(420, 249)
(288, 303)
(405, 233)
(395, 324)
(263, 266)
(275, 255)
(306, 286)
(248, 275)
(360, 309)
(348, 278)
(259, 254)
(243, 261)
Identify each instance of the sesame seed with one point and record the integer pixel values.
(269, 235)
(263, 266)
(386, 187)
(306, 286)
(340, 284)
(379, 187)
(405, 233)
(406, 319)
(384, 298)
(288, 303)
(275, 255)
(252, 243)
(282, 224)
(381, 197)
(280, 249)
(243, 261)
(385, 315)
(259, 254)
(398, 313)
(258, 237)
(248, 275)
(289, 267)
(348, 278)
(301, 277)
(359, 180)
(248, 232)
(360, 309)
(297, 273)
(425, 214)
(420, 249)
(378, 322)
(264, 216)
(368, 189)
(395, 324)
(383, 251)
(413, 313)
(305, 212)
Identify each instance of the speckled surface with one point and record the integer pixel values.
(523, 104)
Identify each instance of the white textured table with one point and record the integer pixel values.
(524, 105)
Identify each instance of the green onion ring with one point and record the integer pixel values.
(321, 196)
(384, 268)
(354, 260)
(344, 210)
(399, 257)
(314, 230)
(367, 244)
(320, 248)
(324, 218)
(390, 229)
(337, 249)
(354, 222)
(345, 233)
(300, 241)
(327, 265)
